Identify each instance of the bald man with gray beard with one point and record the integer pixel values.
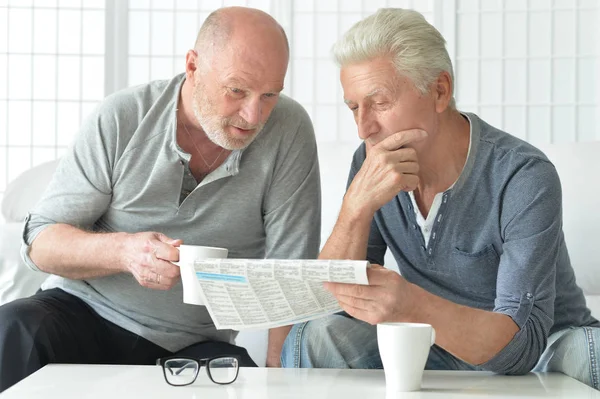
(215, 156)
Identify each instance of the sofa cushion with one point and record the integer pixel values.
(578, 165)
(25, 191)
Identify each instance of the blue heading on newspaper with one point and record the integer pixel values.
(221, 277)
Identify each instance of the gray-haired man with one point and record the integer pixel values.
(471, 214)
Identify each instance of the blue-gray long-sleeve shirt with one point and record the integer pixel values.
(496, 244)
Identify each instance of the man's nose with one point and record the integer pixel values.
(251, 111)
(367, 124)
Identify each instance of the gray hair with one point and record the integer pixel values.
(417, 49)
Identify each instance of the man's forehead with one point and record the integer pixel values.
(365, 82)
(369, 92)
(249, 80)
(253, 56)
(250, 69)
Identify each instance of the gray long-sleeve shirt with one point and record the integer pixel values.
(496, 244)
(126, 173)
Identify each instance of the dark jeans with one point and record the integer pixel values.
(56, 327)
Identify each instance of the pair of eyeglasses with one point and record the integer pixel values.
(180, 371)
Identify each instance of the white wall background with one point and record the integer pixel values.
(530, 67)
(51, 75)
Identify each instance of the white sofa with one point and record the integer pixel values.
(578, 166)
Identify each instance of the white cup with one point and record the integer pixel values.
(404, 348)
(187, 255)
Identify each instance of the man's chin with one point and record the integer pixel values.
(241, 138)
(231, 142)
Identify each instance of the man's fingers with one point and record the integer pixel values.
(152, 264)
(379, 275)
(409, 182)
(354, 302)
(400, 139)
(411, 168)
(171, 241)
(353, 290)
(166, 269)
(154, 279)
(165, 251)
(359, 314)
(403, 155)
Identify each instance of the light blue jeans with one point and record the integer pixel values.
(339, 341)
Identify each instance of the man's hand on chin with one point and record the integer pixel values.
(390, 167)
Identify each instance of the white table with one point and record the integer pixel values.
(94, 381)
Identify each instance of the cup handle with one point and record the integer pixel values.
(432, 336)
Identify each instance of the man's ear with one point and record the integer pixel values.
(443, 91)
(191, 60)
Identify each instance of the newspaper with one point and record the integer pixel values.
(247, 293)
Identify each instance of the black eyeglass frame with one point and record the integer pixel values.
(201, 362)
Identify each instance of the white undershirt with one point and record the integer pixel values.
(426, 225)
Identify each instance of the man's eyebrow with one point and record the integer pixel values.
(374, 92)
(242, 83)
(235, 81)
(369, 94)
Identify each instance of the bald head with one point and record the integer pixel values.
(240, 26)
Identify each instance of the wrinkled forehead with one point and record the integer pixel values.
(256, 66)
(370, 78)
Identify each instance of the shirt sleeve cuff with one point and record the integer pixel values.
(514, 358)
(28, 235)
(521, 354)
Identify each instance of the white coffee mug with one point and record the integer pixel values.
(404, 348)
(190, 253)
(187, 255)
